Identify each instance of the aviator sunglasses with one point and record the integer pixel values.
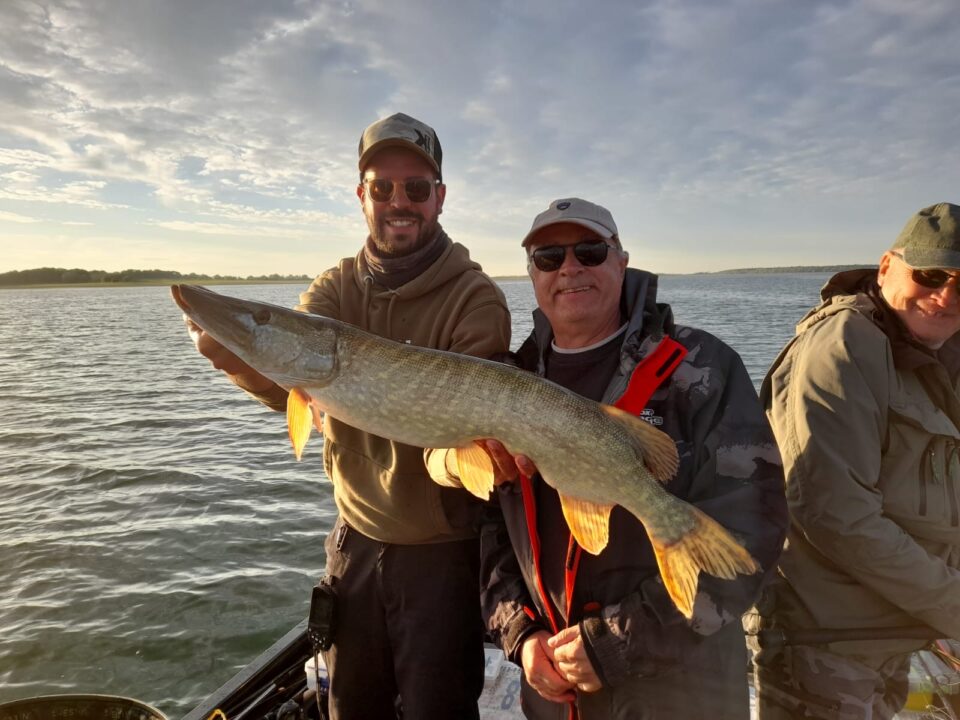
(417, 190)
(932, 278)
(588, 253)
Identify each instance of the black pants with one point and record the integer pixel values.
(408, 629)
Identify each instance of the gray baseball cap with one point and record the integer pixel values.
(576, 211)
(403, 131)
(931, 238)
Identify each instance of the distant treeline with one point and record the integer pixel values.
(57, 276)
(792, 269)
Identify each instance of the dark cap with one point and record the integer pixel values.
(401, 130)
(576, 211)
(931, 238)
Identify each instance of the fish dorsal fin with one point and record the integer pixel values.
(589, 522)
(475, 468)
(302, 416)
(659, 450)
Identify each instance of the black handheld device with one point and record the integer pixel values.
(323, 612)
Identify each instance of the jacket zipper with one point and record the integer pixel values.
(924, 473)
(954, 510)
(951, 485)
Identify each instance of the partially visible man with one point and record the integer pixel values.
(864, 405)
(404, 551)
(601, 631)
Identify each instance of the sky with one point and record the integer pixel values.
(220, 136)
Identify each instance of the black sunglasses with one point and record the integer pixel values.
(417, 190)
(588, 253)
(932, 278)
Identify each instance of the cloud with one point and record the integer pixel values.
(689, 118)
(14, 218)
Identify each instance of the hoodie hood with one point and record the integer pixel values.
(452, 262)
(849, 282)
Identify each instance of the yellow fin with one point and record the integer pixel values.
(475, 468)
(301, 416)
(589, 522)
(659, 450)
(709, 547)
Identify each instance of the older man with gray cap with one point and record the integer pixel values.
(600, 632)
(864, 404)
(402, 557)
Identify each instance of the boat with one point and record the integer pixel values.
(276, 686)
(79, 707)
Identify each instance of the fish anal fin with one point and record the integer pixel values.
(475, 468)
(589, 522)
(301, 417)
(659, 450)
(709, 547)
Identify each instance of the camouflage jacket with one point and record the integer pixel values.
(729, 468)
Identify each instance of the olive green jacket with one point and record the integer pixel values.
(382, 487)
(868, 424)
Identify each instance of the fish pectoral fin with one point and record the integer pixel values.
(475, 468)
(659, 450)
(302, 415)
(707, 546)
(589, 522)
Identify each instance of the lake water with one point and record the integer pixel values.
(156, 532)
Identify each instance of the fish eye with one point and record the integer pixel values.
(261, 317)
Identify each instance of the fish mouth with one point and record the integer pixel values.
(179, 299)
(198, 304)
(193, 299)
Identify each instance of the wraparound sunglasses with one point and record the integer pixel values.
(932, 278)
(588, 253)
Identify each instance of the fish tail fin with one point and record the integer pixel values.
(709, 547)
(658, 449)
(302, 416)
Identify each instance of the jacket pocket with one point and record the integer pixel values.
(938, 494)
(952, 484)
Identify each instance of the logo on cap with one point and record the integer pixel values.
(563, 205)
(423, 141)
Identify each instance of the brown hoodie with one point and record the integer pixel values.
(382, 487)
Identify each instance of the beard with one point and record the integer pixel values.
(388, 246)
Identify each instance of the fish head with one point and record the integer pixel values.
(292, 348)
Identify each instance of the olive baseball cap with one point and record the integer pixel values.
(403, 131)
(576, 211)
(931, 238)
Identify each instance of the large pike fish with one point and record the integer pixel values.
(595, 456)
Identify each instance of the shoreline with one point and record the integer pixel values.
(212, 281)
(149, 283)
